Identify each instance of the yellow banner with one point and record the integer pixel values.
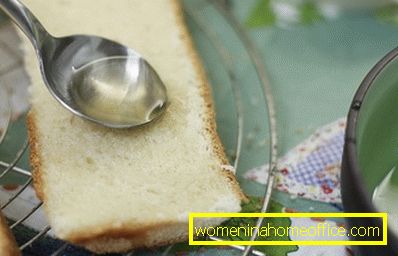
(195, 231)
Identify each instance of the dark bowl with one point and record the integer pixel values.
(371, 147)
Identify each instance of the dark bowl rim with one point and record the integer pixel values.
(350, 150)
(360, 94)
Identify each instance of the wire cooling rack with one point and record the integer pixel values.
(9, 168)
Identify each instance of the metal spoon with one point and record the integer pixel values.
(93, 77)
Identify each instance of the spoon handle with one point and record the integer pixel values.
(26, 21)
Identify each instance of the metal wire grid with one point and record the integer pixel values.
(222, 7)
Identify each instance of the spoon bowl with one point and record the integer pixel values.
(99, 79)
(93, 77)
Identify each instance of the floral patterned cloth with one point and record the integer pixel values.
(312, 169)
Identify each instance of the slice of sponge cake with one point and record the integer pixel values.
(8, 246)
(114, 190)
